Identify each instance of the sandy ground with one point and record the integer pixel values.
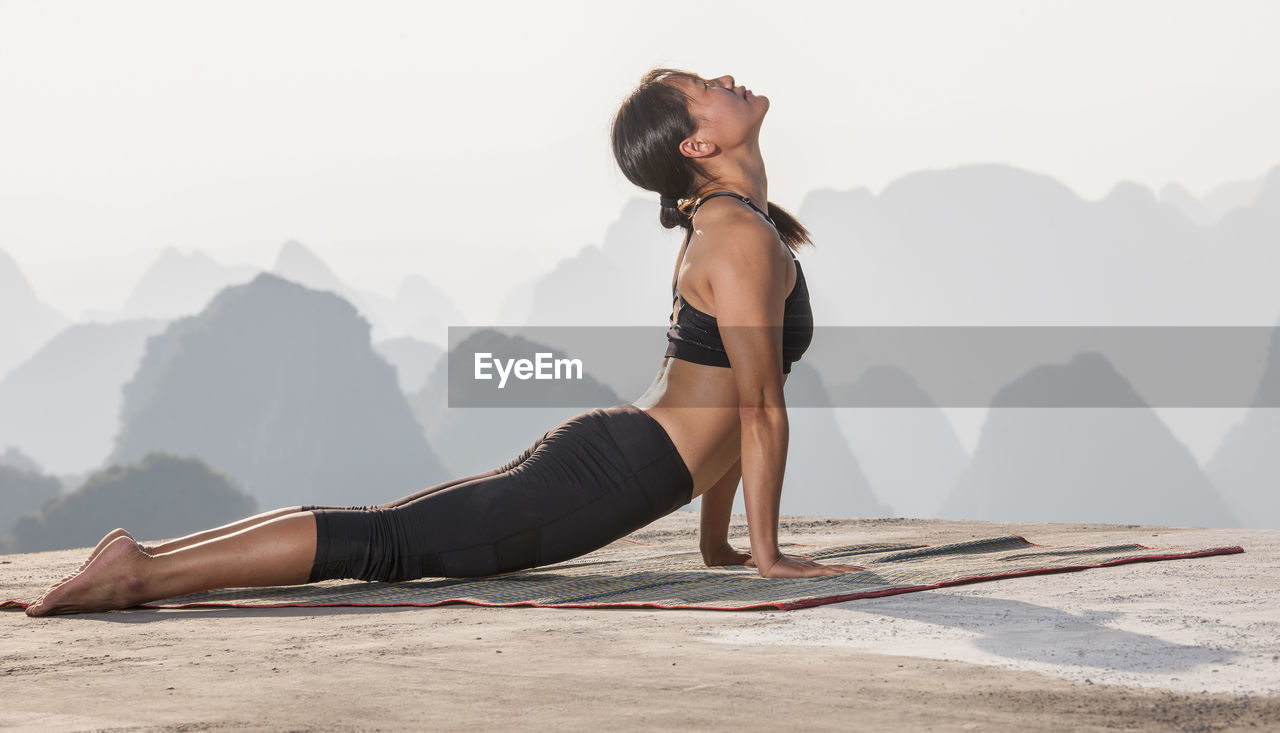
(1178, 645)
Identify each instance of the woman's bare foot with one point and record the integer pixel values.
(114, 578)
(102, 544)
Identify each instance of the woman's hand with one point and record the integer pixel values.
(726, 555)
(792, 566)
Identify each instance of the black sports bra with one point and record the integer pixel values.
(695, 337)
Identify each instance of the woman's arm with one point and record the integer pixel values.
(748, 281)
(765, 436)
(717, 505)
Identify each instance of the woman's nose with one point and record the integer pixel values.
(726, 80)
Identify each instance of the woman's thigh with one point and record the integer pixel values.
(585, 483)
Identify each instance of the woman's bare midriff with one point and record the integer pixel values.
(698, 406)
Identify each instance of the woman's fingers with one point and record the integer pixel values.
(841, 568)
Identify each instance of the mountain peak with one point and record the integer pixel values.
(298, 263)
(1178, 197)
(172, 255)
(886, 386)
(179, 284)
(986, 185)
(25, 322)
(1269, 195)
(1089, 378)
(13, 283)
(293, 403)
(1130, 195)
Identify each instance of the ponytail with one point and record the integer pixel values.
(793, 232)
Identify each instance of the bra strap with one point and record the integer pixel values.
(740, 197)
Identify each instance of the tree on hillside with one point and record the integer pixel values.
(161, 496)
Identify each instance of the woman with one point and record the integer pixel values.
(700, 428)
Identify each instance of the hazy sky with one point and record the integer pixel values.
(468, 142)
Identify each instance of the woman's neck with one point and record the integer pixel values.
(743, 175)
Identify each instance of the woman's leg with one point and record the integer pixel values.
(124, 577)
(226, 529)
(598, 477)
(280, 551)
(160, 548)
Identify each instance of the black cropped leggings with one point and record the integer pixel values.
(590, 480)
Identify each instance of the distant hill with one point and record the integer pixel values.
(1114, 465)
(1233, 195)
(625, 281)
(22, 492)
(1181, 199)
(276, 385)
(178, 284)
(997, 245)
(296, 262)
(26, 323)
(62, 405)
(159, 498)
(413, 360)
(13, 457)
(517, 304)
(1212, 206)
(419, 309)
(1246, 466)
(910, 454)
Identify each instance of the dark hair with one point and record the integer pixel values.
(647, 131)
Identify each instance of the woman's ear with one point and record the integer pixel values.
(696, 147)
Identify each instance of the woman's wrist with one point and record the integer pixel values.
(713, 545)
(766, 560)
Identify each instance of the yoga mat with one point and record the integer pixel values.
(629, 577)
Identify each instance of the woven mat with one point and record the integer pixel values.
(638, 577)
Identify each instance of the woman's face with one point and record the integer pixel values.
(727, 114)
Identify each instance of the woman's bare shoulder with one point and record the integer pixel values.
(725, 225)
